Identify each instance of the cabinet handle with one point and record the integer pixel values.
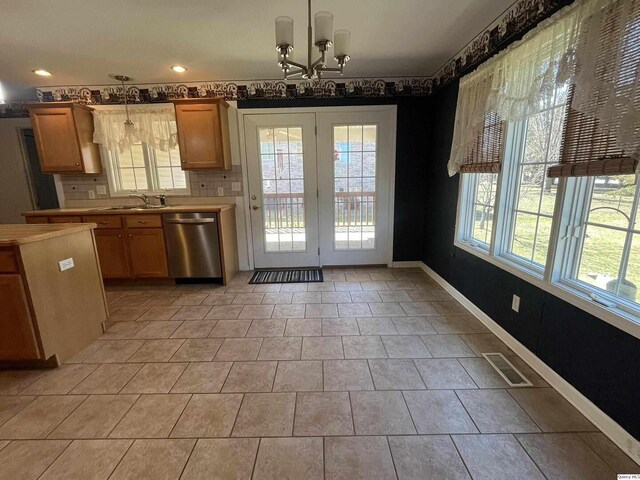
(143, 221)
(103, 223)
(130, 236)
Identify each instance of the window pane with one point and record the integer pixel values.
(355, 186)
(524, 235)
(629, 288)
(137, 155)
(601, 255)
(282, 189)
(483, 205)
(542, 240)
(612, 200)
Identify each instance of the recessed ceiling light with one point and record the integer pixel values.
(179, 69)
(42, 73)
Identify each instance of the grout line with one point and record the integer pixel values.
(455, 392)
(409, 410)
(184, 467)
(460, 455)
(528, 455)
(393, 462)
(255, 460)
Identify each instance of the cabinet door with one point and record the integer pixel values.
(37, 219)
(200, 136)
(55, 133)
(17, 338)
(147, 254)
(65, 219)
(112, 253)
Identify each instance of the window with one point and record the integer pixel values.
(533, 146)
(509, 217)
(607, 240)
(480, 190)
(141, 168)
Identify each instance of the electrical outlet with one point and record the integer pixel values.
(235, 186)
(101, 190)
(92, 194)
(515, 304)
(220, 191)
(66, 264)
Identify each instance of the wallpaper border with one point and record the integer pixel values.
(511, 25)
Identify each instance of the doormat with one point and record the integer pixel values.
(289, 275)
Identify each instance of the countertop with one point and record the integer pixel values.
(11, 235)
(142, 211)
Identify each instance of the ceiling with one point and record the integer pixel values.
(82, 41)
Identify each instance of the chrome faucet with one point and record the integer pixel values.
(142, 197)
(162, 199)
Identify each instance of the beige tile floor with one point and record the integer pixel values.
(373, 374)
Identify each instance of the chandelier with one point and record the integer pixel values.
(323, 40)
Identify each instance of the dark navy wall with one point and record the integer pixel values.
(599, 360)
(412, 128)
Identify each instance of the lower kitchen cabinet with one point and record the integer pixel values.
(147, 254)
(17, 338)
(112, 252)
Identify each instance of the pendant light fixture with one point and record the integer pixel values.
(129, 127)
(324, 39)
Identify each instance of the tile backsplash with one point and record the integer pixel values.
(203, 184)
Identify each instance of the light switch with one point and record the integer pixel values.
(220, 191)
(66, 264)
(92, 194)
(235, 186)
(101, 190)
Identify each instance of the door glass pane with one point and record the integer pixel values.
(282, 171)
(354, 170)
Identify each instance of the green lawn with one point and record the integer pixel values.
(603, 246)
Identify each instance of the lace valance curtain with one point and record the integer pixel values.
(154, 125)
(521, 81)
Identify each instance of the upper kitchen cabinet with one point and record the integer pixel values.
(64, 137)
(203, 133)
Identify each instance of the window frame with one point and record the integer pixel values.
(110, 161)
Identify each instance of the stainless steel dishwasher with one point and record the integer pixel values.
(193, 245)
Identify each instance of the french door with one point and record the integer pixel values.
(321, 198)
(281, 160)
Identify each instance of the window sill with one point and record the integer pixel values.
(613, 316)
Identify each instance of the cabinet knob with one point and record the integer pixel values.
(119, 236)
(77, 164)
(130, 236)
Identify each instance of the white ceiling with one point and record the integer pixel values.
(82, 41)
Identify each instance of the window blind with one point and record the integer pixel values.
(602, 126)
(485, 154)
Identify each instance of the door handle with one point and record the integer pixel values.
(255, 207)
(192, 221)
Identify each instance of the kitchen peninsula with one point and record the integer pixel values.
(51, 293)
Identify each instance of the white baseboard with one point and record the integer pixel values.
(413, 264)
(608, 426)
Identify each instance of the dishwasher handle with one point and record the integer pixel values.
(192, 221)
